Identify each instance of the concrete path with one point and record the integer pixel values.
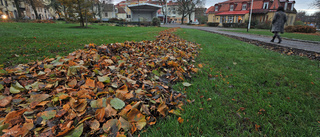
(308, 46)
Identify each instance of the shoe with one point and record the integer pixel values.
(279, 41)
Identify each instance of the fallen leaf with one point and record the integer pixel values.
(186, 84)
(117, 103)
(180, 120)
(76, 132)
(5, 101)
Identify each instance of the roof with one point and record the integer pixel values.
(233, 12)
(257, 6)
(144, 4)
(108, 7)
(121, 10)
(211, 9)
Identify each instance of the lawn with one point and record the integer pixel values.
(242, 89)
(285, 35)
(24, 42)
(245, 90)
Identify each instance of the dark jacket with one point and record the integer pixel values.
(278, 22)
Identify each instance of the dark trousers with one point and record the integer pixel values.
(276, 35)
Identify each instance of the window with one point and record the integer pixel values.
(1, 2)
(285, 6)
(173, 12)
(231, 7)
(265, 5)
(216, 8)
(239, 19)
(6, 3)
(292, 7)
(222, 19)
(173, 8)
(217, 19)
(230, 19)
(128, 16)
(244, 6)
(13, 4)
(106, 14)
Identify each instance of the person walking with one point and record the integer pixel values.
(278, 22)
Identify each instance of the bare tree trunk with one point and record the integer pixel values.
(182, 19)
(81, 16)
(99, 11)
(34, 9)
(16, 2)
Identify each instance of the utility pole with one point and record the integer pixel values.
(250, 16)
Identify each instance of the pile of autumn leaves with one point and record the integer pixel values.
(115, 89)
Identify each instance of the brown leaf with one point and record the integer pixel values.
(5, 101)
(109, 111)
(72, 83)
(112, 123)
(89, 84)
(14, 117)
(134, 116)
(123, 90)
(94, 125)
(162, 109)
(125, 125)
(100, 113)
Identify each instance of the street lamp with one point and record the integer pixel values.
(250, 16)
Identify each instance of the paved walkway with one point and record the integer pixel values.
(308, 46)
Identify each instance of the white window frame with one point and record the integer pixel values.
(216, 8)
(265, 5)
(285, 6)
(230, 19)
(231, 7)
(292, 6)
(244, 6)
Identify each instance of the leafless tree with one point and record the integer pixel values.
(316, 3)
(187, 7)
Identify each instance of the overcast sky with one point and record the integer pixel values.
(301, 5)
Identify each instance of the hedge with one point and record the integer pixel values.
(300, 28)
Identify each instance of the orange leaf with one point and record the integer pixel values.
(162, 109)
(200, 65)
(100, 114)
(14, 117)
(89, 83)
(180, 120)
(123, 90)
(134, 116)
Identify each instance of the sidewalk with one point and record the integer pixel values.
(308, 46)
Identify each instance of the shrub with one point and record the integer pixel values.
(202, 19)
(263, 25)
(156, 22)
(213, 24)
(300, 28)
(298, 23)
(234, 25)
(43, 21)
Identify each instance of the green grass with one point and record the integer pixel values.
(244, 76)
(35, 41)
(286, 35)
(277, 92)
